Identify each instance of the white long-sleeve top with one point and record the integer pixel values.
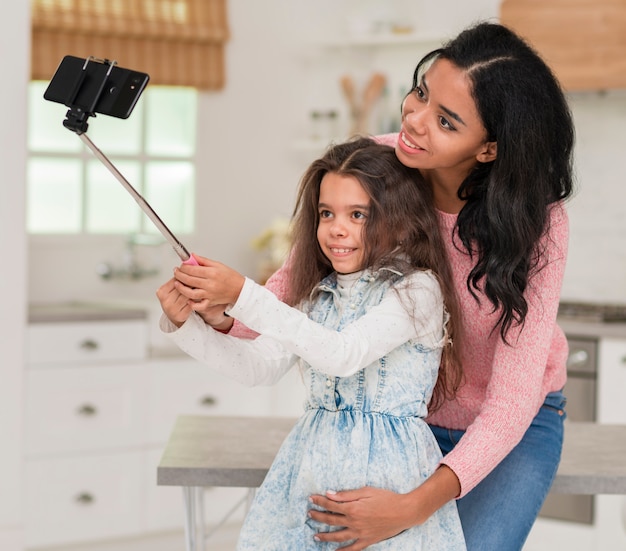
(412, 309)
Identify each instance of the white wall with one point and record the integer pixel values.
(248, 168)
(14, 65)
(597, 262)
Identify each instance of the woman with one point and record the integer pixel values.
(489, 129)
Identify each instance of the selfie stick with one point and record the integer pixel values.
(178, 247)
(76, 121)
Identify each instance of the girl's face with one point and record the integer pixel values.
(343, 209)
(441, 132)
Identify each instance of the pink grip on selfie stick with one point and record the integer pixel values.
(191, 261)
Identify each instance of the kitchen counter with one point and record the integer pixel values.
(221, 451)
(68, 312)
(592, 320)
(592, 328)
(592, 461)
(237, 451)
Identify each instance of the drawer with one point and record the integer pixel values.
(91, 408)
(185, 387)
(81, 498)
(80, 342)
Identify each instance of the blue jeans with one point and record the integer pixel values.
(497, 515)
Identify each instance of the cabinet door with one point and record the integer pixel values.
(85, 408)
(611, 522)
(182, 386)
(611, 509)
(71, 499)
(612, 381)
(81, 342)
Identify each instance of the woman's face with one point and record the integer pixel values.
(442, 132)
(343, 209)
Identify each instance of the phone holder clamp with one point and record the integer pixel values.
(76, 117)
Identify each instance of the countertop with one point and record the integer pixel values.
(592, 329)
(237, 451)
(83, 311)
(78, 311)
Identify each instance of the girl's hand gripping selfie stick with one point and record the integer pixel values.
(93, 85)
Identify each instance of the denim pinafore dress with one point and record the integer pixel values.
(367, 429)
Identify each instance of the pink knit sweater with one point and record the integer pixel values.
(504, 384)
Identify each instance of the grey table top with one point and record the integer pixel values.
(237, 451)
(593, 459)
(221, 451)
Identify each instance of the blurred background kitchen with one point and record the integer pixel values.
(220, 159)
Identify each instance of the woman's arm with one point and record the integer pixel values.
(370, 515)
(517, 373)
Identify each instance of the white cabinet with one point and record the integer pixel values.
(78, 497)
(84, 409)
(611, 510)
(98, 412)
(612, 381)
(77, 343)
(85, 416)
(182, 386)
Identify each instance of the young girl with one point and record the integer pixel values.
(369, 276)
(488, 127)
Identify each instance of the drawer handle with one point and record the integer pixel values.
(208, 401)
(85, 498)
(87, 410)
(89, 344)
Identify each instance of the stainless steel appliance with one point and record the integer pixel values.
(580, 391)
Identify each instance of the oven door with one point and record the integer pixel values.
(580, 392)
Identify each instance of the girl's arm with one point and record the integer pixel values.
(277, 284)
(289, 334)
(342, 353)
(249, 362)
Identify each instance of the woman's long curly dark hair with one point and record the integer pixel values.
(401, 231)
(508, 200)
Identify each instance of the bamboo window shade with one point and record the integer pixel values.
(177, 42)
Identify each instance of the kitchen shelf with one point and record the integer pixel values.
(308, 145)
(381, 39)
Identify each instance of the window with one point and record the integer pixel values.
(70, 192)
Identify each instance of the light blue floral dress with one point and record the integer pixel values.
(366, 429)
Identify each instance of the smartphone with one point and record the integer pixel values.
(77, 83)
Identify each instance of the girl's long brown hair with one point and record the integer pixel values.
(402, 231)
